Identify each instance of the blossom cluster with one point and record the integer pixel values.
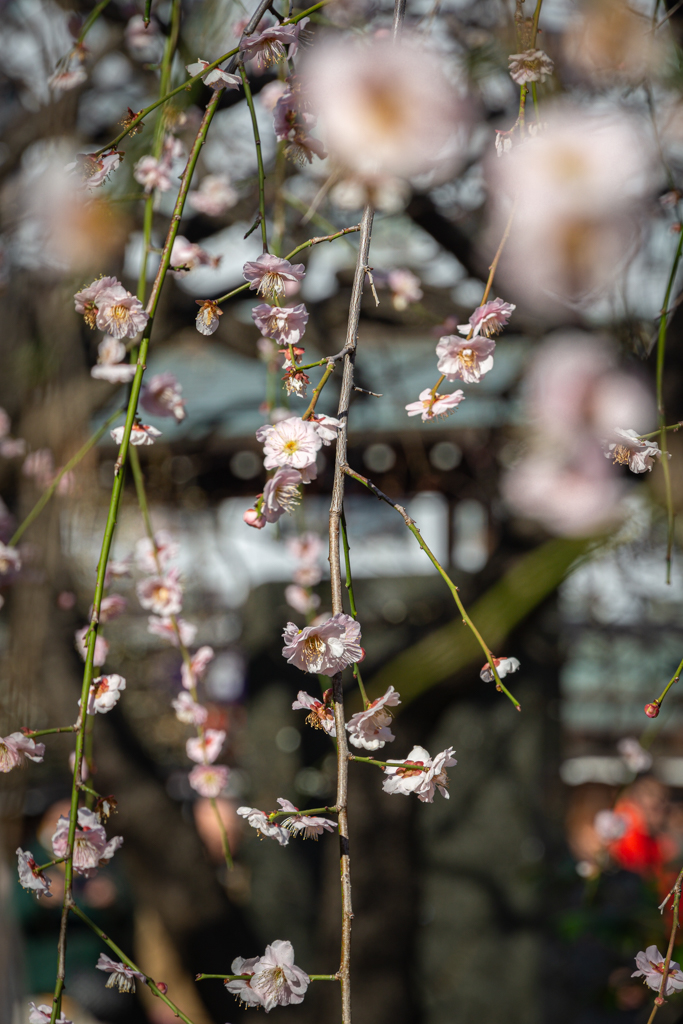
(270, 980)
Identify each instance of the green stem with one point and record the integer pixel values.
(71, 464)
(661, 411)
(224, 834)
(352, 600)
(128, 962)
(674, 679)
(259, 158)
(534, 26)
(388, 764)
(309, 810)
(656, 433)
(316, 393)
(90, 20)
(31, 733)
(444, 575)
(50, 864)
(534, 95)
(246, 977)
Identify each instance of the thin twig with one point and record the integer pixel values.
(659, 1001)
(352, 599)
(316, 393)
(259, 158)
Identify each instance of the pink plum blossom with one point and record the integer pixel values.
(110, 350)
(320, 715)
(276, 980)
(142, 433)
(164, 628)
(504, 666)
(324, 649)
(241, 987)
(186, 255)
(143, 40)
(252, 518)
(284, 324)
(429, 406)
(464, 360)
(69, 73)
(161, 396)
(93, 170)
(268, 46)
(120, 975)
(119, 313)
(85, 301)
(101, 647)
(306, 548)
(408, 779)
(405, 287)
(629, 450)
(39, 465)
(10, 560)
(291, 443)
(207, 320)
(272, 93)
(301, 600)
(650, 966)
(205, 749)
(489, 319)
(91, 849)
(199, 663)
(293, 126)
(637, 758)
(187, 710)
(209, 780)
(530, 66)
(29, 875)
(111, 607)
(609, 826)
(117, 569)
(267, 275)
(104, 693)
(312, 826)
(307, 575)
(326, 426)
(214, 196)
(369, 729)
(281, 494)
(43, 1015)
(153, 557)
(153, 174)
(162, 595)
(260, 821)
(215, 79)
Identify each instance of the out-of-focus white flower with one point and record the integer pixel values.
(268, 274)
(320, 715)
(277, 980)
(430, 406)
(260, 821)
(385, 108)
(91, 849)
(636, 757)
(609, 826)
(119, 313)
(405, 287)
(144, 41)
(205, 749)
(150, 557)
(530, 66)
(142, 433)
(410, 777)
(110, 350)
(15, 747)
(284, 324)
(629, 450)
(292, 443)
(215, 194)
(92, 171)
(324, 649)
(301, 600)
(114, 373)
(164, 628)
(120, 975)
(199, 663)
(467, 360)
(605, 40)
(369, 729)
(650, 966)
(29, 875)
(209, 780)
(104, 693)
(153, 174)
(70, 72)
(188, 710)
(43, 1015)
(101, 647)
(40, 466)
(111, 607)
(215, 79)
(161, 396)
(207, 318)
(185, 256)
(504, 666)
(10, 559)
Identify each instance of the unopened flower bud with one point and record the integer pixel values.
(252, 518)
(652, 710)
(162, 986)
(659, 1001)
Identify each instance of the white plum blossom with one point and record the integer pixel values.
(215, 79)
(609, 825)
(268, 275)
(142, 433)
(276, 980)
(104, 693)
(10, 559)
(111, 607)
(241, 987)
(209, 780)
(92, 170)
(153, 174)
(430, 406)
(268, 46)
(301, 600)
(324, 649)
(186, 255)
(161, 396)
(530, 66)
(410, 776)
(405, 288)
(312, 826)
(150, 556)
(284, 324)
(489, 319)
(503, 667)
(91, 848)
(650, 966)
(636, 757)
(101, 647)
(292, 443)
(29, 875)
(214, 196)
(205, 749)
(164, 627)
(207, 320)
(369, 729)
(466, 360)
(43, 1015)
(320, 714)
(198, 665)
(188, 710)
(114, 373)
(326, 427)
(281, 494)
(627, 449)
(260, 821)
(162, 595)
(120, 975)
(119, 313)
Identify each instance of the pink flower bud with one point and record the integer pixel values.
(252, 518)
(659, 1001)
(652, 710)
(162, 986)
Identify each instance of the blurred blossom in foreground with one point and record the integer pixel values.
(578, 190)
(576, 396)
(609, 40)
(385, 110)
